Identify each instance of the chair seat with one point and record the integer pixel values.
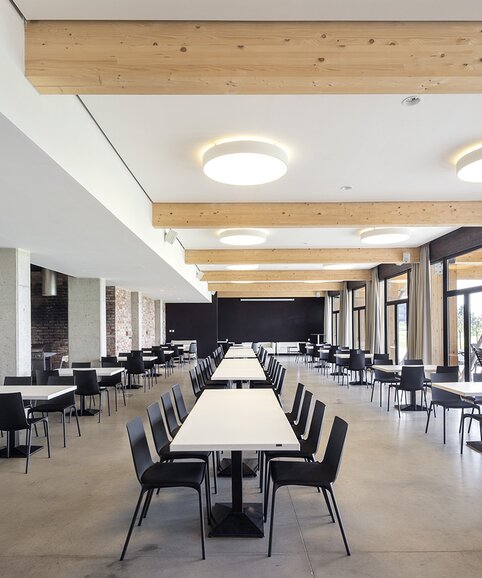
(52, 407)
(393, 379)
(449, 404)
(173, 475)
(301, 474)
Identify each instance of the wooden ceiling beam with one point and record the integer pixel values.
(274, 288)
(213, 57)
(267, 294)
(288, 275)
(281, 256)
(239, 215)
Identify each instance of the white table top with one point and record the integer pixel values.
(463, 388)
(144, 358)
(398, 368)
(241, 352)
(243, 369)
(347, 355)
(237, 420)
(38, 392)
(101, 371)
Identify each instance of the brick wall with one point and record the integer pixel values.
(123, 321)
(110, 320)
(50, 316)
(148, 322)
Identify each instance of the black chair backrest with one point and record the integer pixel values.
(380, 357)
(334, 447)
(448, 369)
(113, 363)
(158, 427)
(124, 353)
(384, 374)
(280, 380)
(196, 388)
(357, 361)
(302, 348)
(413, 362)
(86, 382)
(42, 375)
(314, 433)
(179, 401)
(136, 353)
(61, 400)
(175, 348)
(139, 447)
(108, 359)
(441, 394)
(168, 408)
(80, 364)
(61, 380)
(412, 377)
(305, 410)
(135, 364)
(12, 412)
(295, 410)
(14, 380)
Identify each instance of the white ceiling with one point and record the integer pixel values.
(384, 150)
(252, 9)
(47, 212)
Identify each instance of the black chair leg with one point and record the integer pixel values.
(428, 416)
(145, 508)
(215, 473)
(328, 505)
(398, 401)
(29, 445)
(271, 521)
(76, 418)
(338, 517)
(63, 429)
(266, 491)
(201, 520)
(131, 527)
(100, 405)
(444, 422)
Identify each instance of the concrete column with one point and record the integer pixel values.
(159, 322)
(15, 321)
(136, 312)
(87, 319)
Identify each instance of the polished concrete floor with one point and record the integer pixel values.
(411, 506)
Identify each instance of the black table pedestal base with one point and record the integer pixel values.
(358, 383)
(250, 468)
(245, 524)
(19, 451)
(411, 407)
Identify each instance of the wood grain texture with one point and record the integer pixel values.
(207, 57)
(262, 294)
(274, 287)
(288, 275)
(239, 215)
(275, 256)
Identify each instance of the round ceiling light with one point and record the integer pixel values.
(469, 167)
(384, 236)
(242, 267)
(245, 162)
(242, 237)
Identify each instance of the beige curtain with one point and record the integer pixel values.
(344, 330)
(327, 319)
(373, 317)
(419, 322)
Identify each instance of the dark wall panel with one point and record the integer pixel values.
(194, 321)
(270, 320)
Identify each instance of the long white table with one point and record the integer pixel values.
(32, 393)
(412, 406)
(252, 419)
(144, 358)
(240, 352)
(239, 370)
(101, 371)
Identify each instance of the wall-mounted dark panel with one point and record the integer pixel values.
(391, 270)
(270, 320)
(455, 243)
(194, 321)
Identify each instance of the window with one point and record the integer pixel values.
(463, 311)
(396, 317)
(335, 313)
(358, 319)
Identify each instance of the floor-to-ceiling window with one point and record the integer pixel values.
(335, 315)
(463, 311)
(396, 317)
(358, 319)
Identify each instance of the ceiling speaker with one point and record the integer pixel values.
(170, 235)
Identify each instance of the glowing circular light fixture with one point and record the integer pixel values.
(242, 236)
(384, 236)
(245, 162)
(242, 267)
(469, 167)
(345, 266)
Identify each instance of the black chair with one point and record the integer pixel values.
(312, 474)
(42, 375)
(301, 351)
(413, 362)
(161, 358)
(113, 381)
(356, 363)
(383, 378)
(308, 447)
(476, 400)
(292, 416)
(446, 399)
(79, 364)
(108, 359)
(63, 404)
(168, 408)
(13, 420)
(162, 443)
(16, 380)
(196, 388)
(300, 426)
(88, 386)
(135, 367)
(154, 476)
(180, 404)
(411, 380)
(448, 369)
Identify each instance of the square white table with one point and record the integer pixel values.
(240, 352)
(252, 419)
(32, 393)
